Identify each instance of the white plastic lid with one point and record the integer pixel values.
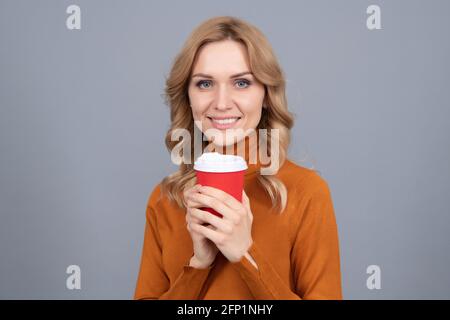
(217, 162)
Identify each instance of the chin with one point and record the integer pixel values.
(235, 135)
(221, 142)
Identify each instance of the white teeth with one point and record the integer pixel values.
(225, 121)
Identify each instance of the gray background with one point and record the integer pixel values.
(82, 124)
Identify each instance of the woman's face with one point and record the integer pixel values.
(223, 93)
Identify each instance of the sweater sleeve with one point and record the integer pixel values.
(314, 257)
(153, 282)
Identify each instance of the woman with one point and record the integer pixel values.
(227, 69)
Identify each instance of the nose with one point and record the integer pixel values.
(223, 100)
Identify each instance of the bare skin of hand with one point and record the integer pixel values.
(205, 250)
(232, 233)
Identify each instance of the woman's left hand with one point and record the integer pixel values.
(232, 234)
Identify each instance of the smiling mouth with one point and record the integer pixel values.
(224, 123)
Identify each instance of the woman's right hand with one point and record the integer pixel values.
(205, 250)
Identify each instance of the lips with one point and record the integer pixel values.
(224, 122)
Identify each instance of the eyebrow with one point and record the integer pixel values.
(231, 77)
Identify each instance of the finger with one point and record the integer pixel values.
(193, 204)
(190, 202)
(219, 206)
(219, 223)
(189, 190)
(194, 187)
(245, 200)
(226, 198)
(191, 218)
(209, 233)
(192, 223)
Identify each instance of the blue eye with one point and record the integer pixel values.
(206, 84)
(244, 81)
(201, 82)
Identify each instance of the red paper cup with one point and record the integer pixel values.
(224, 172)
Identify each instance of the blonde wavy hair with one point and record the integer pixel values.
(275, 115)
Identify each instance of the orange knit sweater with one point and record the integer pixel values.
(297, 252)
